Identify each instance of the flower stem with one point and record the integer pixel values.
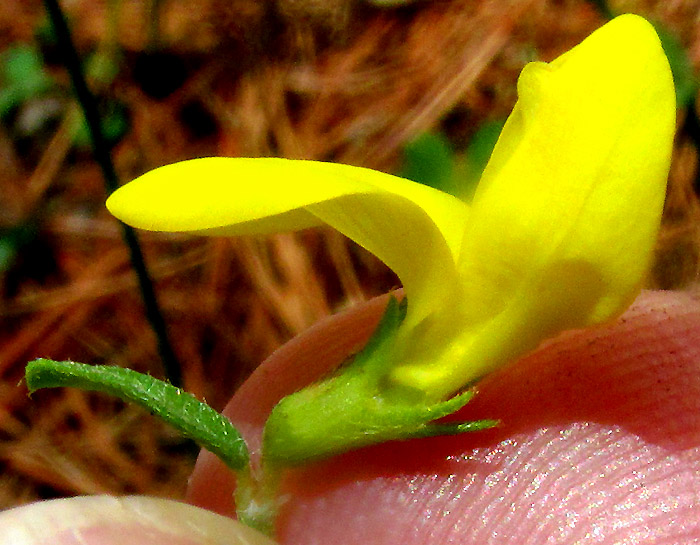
(257, 499)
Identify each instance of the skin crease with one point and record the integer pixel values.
(599, 443)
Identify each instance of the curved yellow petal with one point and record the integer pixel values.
(580, 173)
(565, 217)
(414, 229)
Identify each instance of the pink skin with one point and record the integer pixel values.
(599, 443)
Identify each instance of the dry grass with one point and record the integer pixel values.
(335, 81)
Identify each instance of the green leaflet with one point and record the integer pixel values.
(182, 410)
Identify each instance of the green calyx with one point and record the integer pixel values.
(356, 407)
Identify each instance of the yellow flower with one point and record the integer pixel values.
(559, 234)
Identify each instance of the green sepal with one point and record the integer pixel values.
(356, 408)
(182, 410)
(454, 428)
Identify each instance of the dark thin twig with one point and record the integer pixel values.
(102, 156)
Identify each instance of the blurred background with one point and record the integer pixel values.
(416, 88)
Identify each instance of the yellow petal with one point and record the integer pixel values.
(580, 173)
(414, 229)
(565, 217)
